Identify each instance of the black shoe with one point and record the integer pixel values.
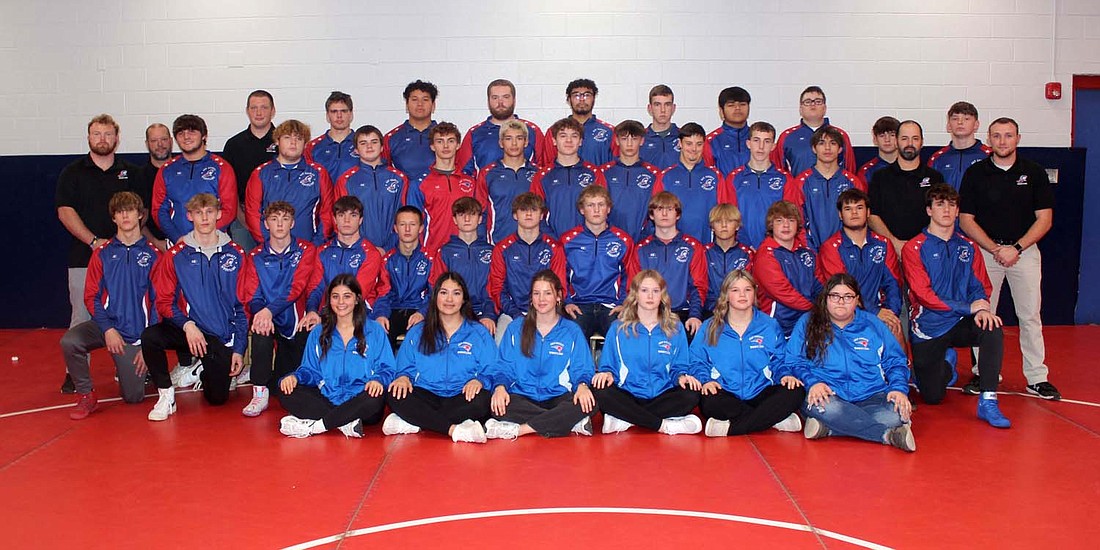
(974, 386)
(1046, 390)
(67, 386)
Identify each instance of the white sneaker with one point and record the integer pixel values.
(497, 429)
(353, 429)
(584, 427)
(612, 425)
(292, 426)
(717, 428)
(790, 424)
(395, 425)
(469, 431)
(187, 375)
(245, 377)
(677, 425)
(166, 405)
(258, 404)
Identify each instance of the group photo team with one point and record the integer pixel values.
(504, 281)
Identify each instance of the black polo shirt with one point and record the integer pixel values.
(897, 196)
(85, 188)
(244, 152)
(142, 183)
(1004, 202)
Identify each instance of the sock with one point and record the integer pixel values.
(989, 395)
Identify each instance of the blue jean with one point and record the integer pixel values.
(869, 419)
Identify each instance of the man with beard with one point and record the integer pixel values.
(1006, 207)
(482, 144)
(897, 191)
(884, 134)
(158, 141)
(84, 191)
(868, 257)
(195, 171)
(248, 149)
(598, 145)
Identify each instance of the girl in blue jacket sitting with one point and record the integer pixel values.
(441, 381)
(643, 375)
(541, 380)
(854, 368)
(346, 365)
(747, 386)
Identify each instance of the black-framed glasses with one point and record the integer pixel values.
(812, 102)
(841, 298)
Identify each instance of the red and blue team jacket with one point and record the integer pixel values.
(279, 282)
(682, 261)
(481, 146)
(467, 355)
(337, 158)
(720, 263)
(867, 171)
(598, 145)
(409, 279)
(434, 194)
(192, 287)
(596, 265)
(755, 194)
(560, 361)
(515, 263)
(862, 359)
(699, 189)
(560, 186)
(952, 162)
(117, 289)
(661, 151)
(816, 196)
(179, 180)
(471, 261)
(305, 185)
(361, 259)
(794, 153)
(409, 149)
(787, 281)
(382, 189)
(503, 185)
(743, 365)
(727, 148)
(944, 278)
(631, 187)
(874, 266)
(646, 363)
(342, 373)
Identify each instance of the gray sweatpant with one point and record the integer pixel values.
(77, 344)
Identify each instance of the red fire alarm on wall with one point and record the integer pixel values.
(1054, 90)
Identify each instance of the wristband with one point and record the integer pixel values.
(1018, 248)
(91, 243)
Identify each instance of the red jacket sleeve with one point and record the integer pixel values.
(829, 262)
(159, 196)
(726, 192)
(369, 275)
(774, 283)
(497, 271)
(248, 282)
(850, 155)
(777, 153)
(464, 154)
(92, 281)
(708, 154)
(549, 150)
(227, 194)
(328, 225)
(557, 262)
(253, 203)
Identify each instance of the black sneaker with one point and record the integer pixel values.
(974, 386)
(1046, 390)
(68, 387)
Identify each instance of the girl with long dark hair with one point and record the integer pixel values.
(441, 381)
(855, 370)
(541, 380)
(346, 365)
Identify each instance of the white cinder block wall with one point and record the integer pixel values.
(149, 60)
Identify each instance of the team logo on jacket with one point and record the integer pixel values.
(707, 183)
(544, 257)
(756, 341)
(229, 263)
(600, 134)
(422, 267)
(271, 148)
(392, 185)
(485, 256)
(741, 263)
(144, 259)
(295, 258)
(681, 254)
(645, 181)
(209, 173)
(355, 261)
(584, 180)
(530, 175)
(878, 254)
(614, 250)
(556, 348)
(1022, 180)
(307, 179)
(964, 254)
(861, 344)
(807, 258)
(775, 184)
(664, 347)
(465, 185)
(925, 182)
(123, 175)
(843, 186)
(464, 348)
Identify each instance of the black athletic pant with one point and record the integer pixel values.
(769, 407)
(933, 372)
(274, 357)
(684, 315)
(551, 418)
(647, 413)
(163, 336)
(434, 413)
(308, 402)
(399, 318)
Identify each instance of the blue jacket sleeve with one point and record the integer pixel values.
(891, 289)
(383, 364)
(581, 367)
(698, 358)
(894, 361)
(795, 354)
(309, 372)
(680, 361)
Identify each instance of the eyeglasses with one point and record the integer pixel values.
(841, 298)
(582, 95)
(812, 102)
